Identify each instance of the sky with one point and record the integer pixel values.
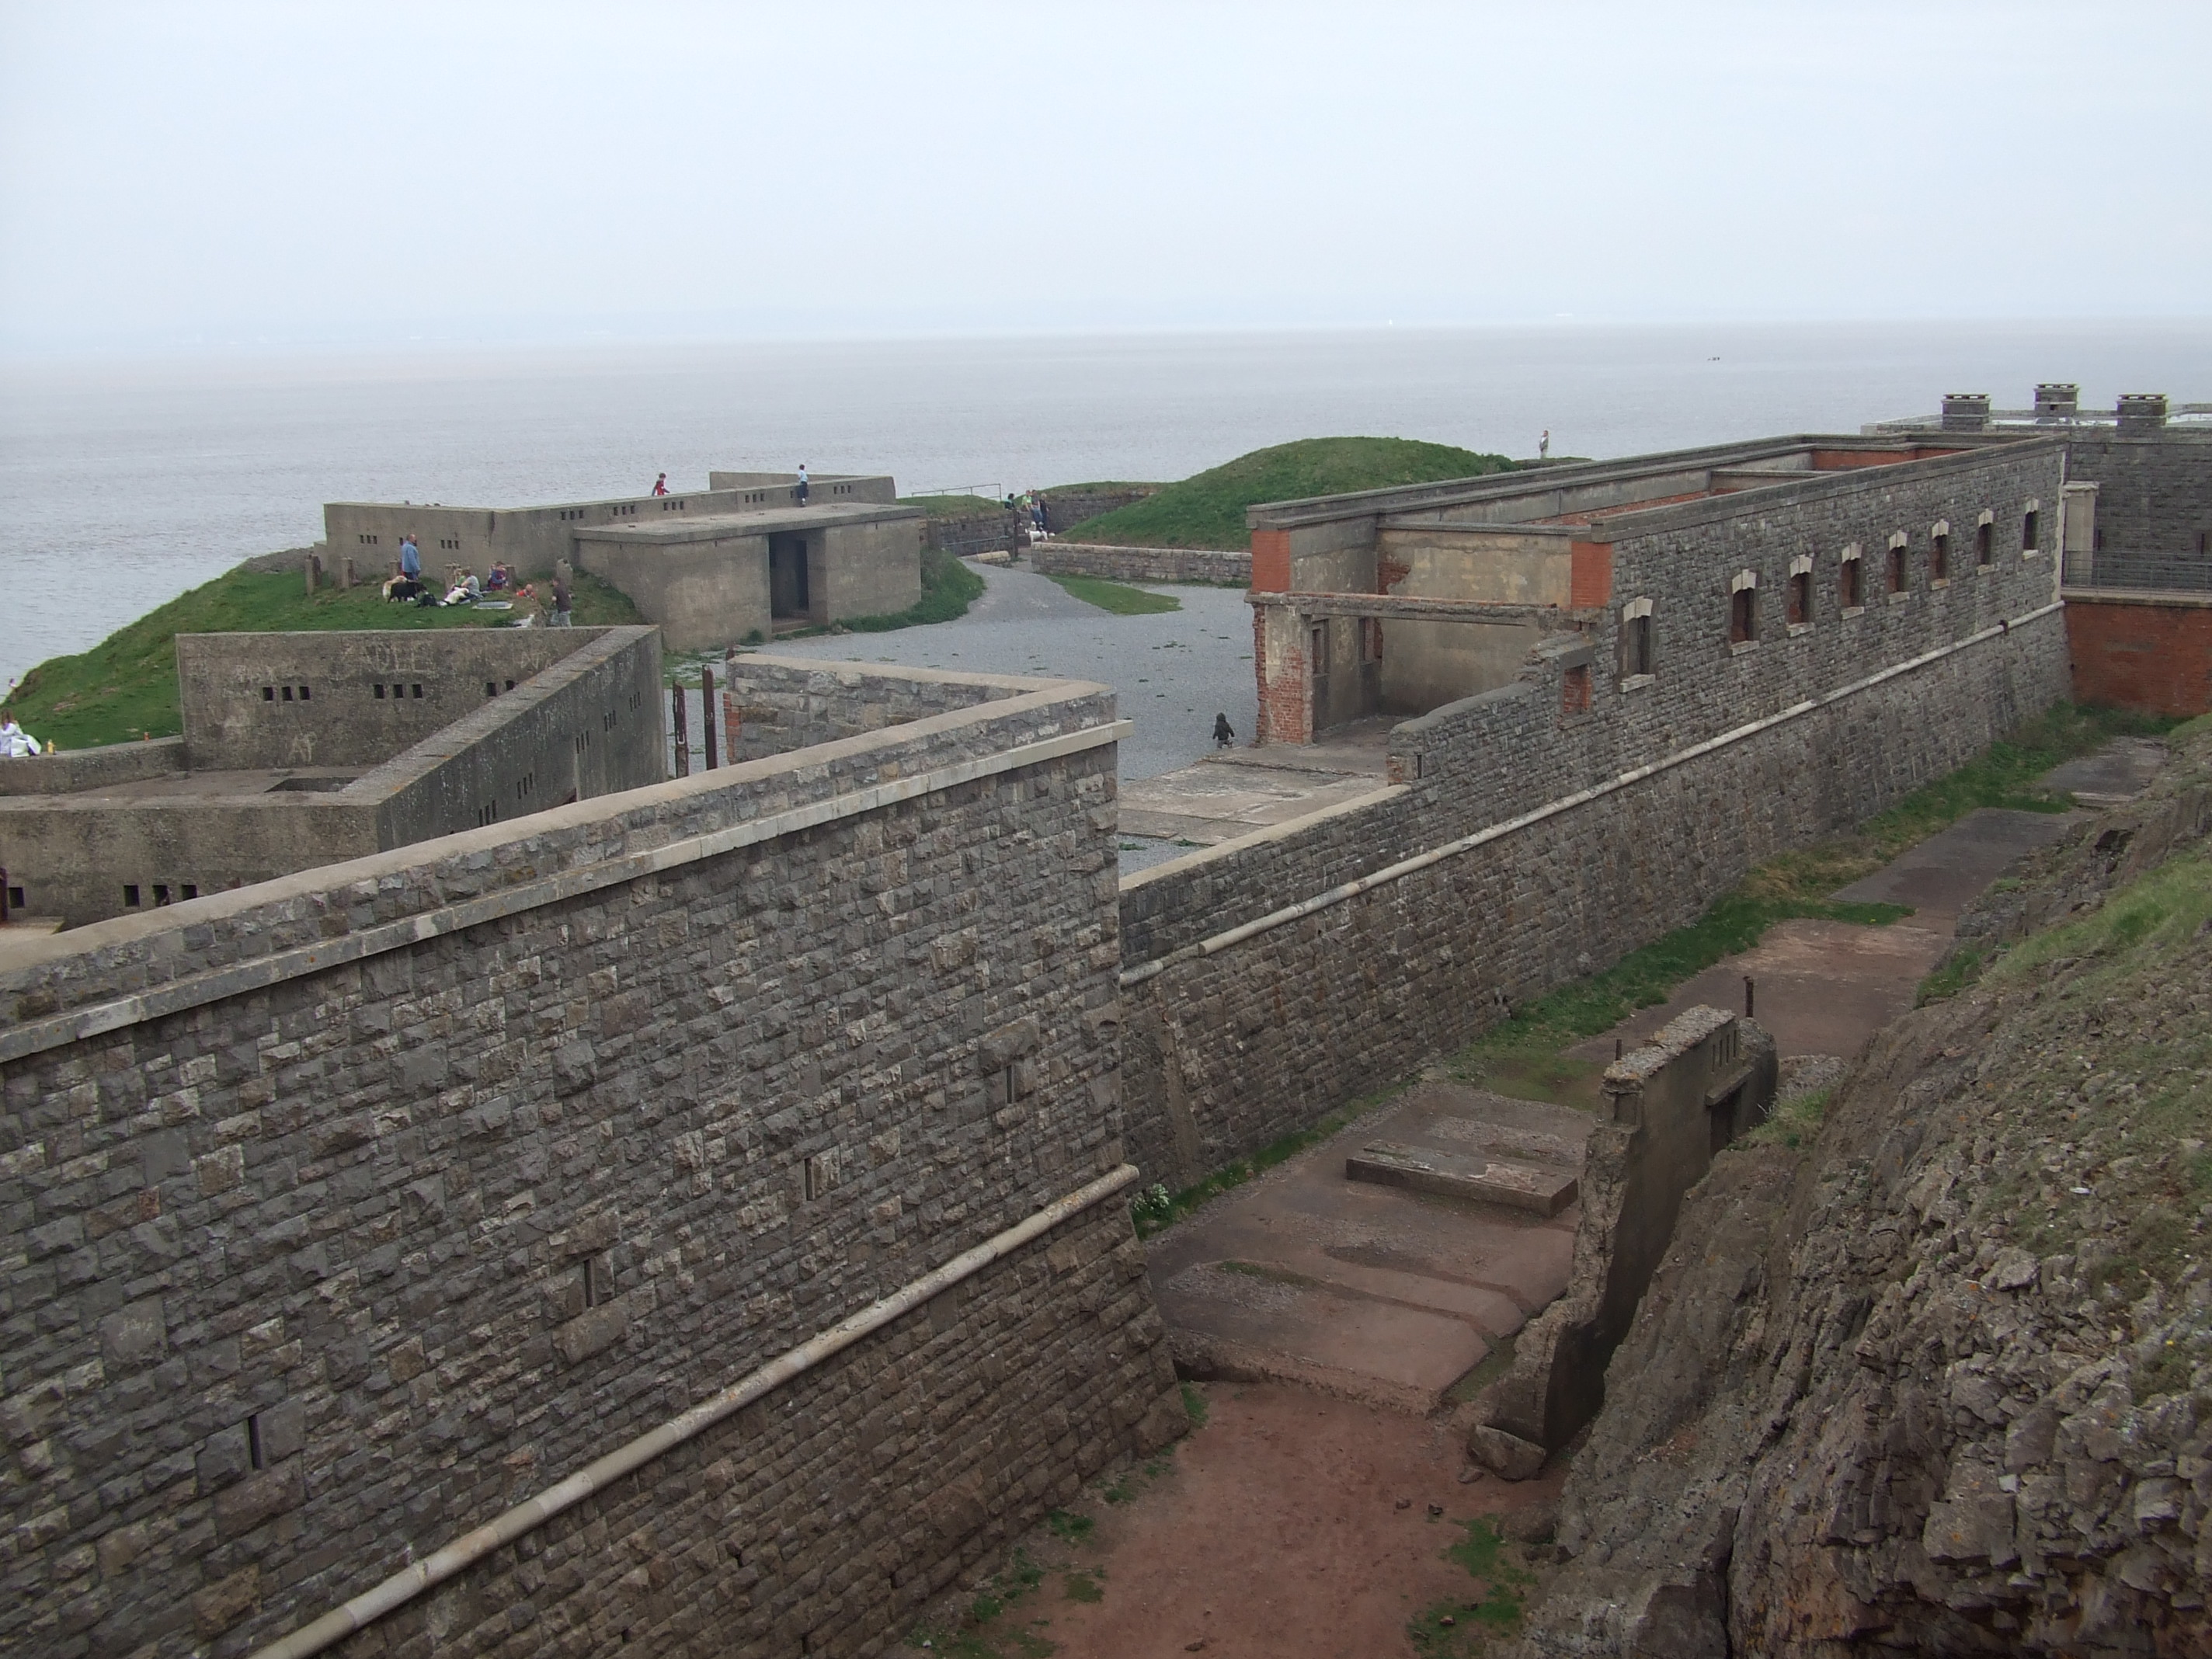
(221, 175)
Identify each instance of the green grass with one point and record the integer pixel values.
(1794, 1123)
(952, 507)
(1457, 1627)
(1207, 510)
(1794, 885)
(125, 687)
(1120, 600)
(1193, 1401)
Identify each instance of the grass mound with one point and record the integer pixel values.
(127, 686)
(1207, 510)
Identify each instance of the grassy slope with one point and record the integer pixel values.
(126, 685)
(1207, 510)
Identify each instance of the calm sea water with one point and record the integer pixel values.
(124, 483)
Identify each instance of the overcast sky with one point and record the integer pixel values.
(182, 175)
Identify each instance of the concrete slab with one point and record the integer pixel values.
(1316, 1259)
(1536, 1188)
(2115, 773)
(1942, 875)
(1220, 798)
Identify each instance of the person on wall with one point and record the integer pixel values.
(660, 485)
(800, 492)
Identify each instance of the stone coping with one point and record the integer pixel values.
(706, 527)
(115, 969)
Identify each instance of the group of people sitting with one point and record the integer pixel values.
(15, 743)
(409, 586)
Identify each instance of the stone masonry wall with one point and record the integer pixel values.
(2153, 493)
(1490, 757)
(345, 1212)
(1001, 530)
(1068, 509)
(103, 768)
(1141, 564)
(773, 705)
(1240, 1047)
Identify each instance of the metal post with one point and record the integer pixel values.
(682, 736)
(707, 716)
(1747, 996)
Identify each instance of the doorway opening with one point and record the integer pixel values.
(789, 598)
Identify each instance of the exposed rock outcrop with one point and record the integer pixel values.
(1942, 1381)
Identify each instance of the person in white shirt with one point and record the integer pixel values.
(15, 743)
(802, 483)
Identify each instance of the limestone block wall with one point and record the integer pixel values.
(774, 705)
(346, 1212)
(1141, 564)
(2153, 492)
(1003, 531)
(1234, 1039)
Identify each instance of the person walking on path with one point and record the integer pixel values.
(801, 491)
(660, 485)
(411, 560)
(1224, 733)
(561, 616)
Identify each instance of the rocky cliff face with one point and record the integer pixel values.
(1941, 1382)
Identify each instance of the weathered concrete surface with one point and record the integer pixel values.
(1237, 791)
(2120, 771)
(1373, 1292)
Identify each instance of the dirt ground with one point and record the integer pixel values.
(1273, 1531)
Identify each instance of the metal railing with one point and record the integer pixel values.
(2169, 574)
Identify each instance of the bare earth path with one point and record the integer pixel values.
(1275, 1533)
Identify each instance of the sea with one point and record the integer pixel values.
(124, 483)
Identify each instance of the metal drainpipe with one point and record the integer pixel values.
(449, 1562)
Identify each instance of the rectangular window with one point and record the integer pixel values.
(131, 894)
(1985, 542)
(1939, 559)
(1897, 569)
(307, 694)
(287, 694)
(2030, 532)
(379, 691)
(1575, 690)
(190, 891)
(491, 688)
(1743, 616)
(414, 690)
(14, 898)
(1636, 647)
(1801, 598)
(268, 694)
(1847, 584)
(160, 893)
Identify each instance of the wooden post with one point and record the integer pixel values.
(707, 716)
(682, 736)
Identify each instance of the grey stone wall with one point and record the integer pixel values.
(774, 705)
(1066, 509)
(343, 1212)
(1001, 530)
(1141, 564)
(2153, 492)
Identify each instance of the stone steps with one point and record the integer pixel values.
(1542, 1189)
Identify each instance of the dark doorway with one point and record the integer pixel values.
(787, 595)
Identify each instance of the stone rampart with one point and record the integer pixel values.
(1141, 564)
(346, 1212)
(1242, 1036)
(1070, 509)
(1002, 530)
(75, 770)
(774, 705)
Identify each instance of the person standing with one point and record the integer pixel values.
(561, 616)
(660, 485)
(801, 491)
(1544, 446)
(411, 560)
(1224, 734)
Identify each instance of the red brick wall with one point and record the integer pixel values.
(2143, 652)
(1284, 699)
(1589, 574)
(1271, 561)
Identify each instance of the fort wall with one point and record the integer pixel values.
(346, 1212)
(2153, 491)
(2142, 650)
(1141, 564)
(774, 705)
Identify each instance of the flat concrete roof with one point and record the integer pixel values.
(714, 526)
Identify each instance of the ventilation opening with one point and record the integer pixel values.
(256, 1453)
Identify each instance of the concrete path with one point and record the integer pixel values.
(1371, 1292)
